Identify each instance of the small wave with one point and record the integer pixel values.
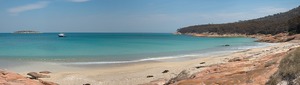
(258, 45)
(133, 61)
(199, 54)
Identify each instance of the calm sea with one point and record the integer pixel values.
(113, 47)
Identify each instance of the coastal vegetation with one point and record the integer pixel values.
(272, 24)
(288, 71)
(294, 25)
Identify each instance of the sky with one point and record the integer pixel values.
(161, 16)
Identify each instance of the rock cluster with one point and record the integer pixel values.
(281, 37)
(238, 71)
(212, 34)
(11, 78)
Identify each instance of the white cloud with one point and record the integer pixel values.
(79, 0)
(28, 7)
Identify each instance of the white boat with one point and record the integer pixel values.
(61, 35)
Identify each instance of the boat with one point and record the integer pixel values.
(61, 35)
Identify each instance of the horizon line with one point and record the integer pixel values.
(96, 32)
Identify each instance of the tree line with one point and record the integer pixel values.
(272, 24)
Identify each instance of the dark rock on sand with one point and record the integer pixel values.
(165, 71)
(45, 72)
(199, 67)
(235, 59)
(87, 84)
(202, 63)
(35, 75)
(149, 76)
(47, 82)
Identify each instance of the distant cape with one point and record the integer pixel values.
(26, 32)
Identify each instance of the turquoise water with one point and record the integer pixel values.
(105, 47)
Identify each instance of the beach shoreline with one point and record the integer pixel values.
(22, 65)
(137, 73)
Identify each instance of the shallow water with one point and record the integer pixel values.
(85, 48)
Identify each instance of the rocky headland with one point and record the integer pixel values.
(280, 37)
(274, 66)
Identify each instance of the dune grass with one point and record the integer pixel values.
(288, 70)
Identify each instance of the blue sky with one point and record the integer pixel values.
(130, 15)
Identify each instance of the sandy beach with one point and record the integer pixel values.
(136, 73)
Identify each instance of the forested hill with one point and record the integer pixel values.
(272, 24)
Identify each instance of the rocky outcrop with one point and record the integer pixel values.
(237, 71)
(281, 37)
(181, 76)
(212, 34)
(244, 72)
(10, 78)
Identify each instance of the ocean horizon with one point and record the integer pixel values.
(109, 48)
